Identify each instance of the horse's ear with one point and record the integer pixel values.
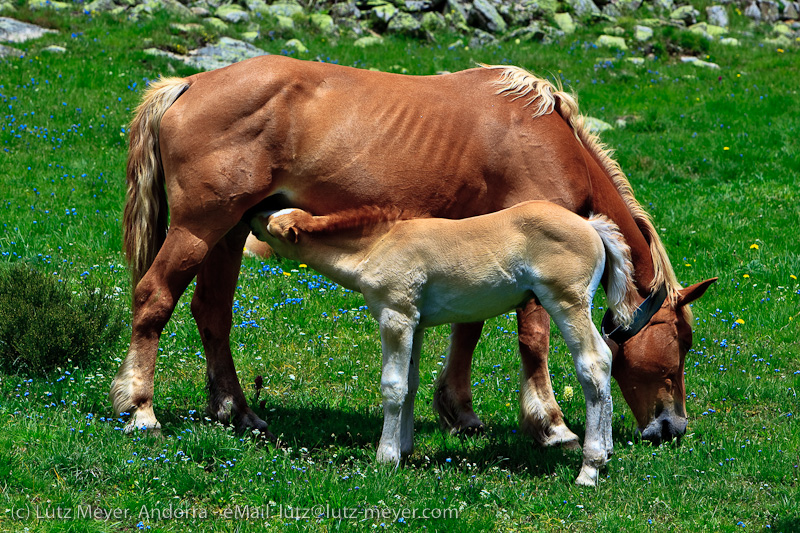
(692, 293)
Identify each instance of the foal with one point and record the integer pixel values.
(424, 272)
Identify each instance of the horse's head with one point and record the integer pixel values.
(649, 367)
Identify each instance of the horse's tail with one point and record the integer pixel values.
(146, 211)
(620, 289)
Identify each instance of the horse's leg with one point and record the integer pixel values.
(540, 415)
(154, 299)
(592, 359)
(397, 334)
(212, 310)
(452, 398)
(407, 413)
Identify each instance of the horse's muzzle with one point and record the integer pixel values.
(664, 428)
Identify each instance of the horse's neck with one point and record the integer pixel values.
(608, 201)
(338, 255)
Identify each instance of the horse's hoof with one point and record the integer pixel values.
(472, 429)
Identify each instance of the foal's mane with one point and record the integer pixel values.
(364, 217)
(519, 83)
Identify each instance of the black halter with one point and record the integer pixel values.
(641, 317)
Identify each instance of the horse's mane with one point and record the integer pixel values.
(364, 217)
(519, 83)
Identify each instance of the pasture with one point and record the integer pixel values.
(712, 154)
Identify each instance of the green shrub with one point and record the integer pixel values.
(44, 325)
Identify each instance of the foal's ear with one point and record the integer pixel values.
(692, 293)
(291, 234)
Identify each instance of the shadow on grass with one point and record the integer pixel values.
(355, 432)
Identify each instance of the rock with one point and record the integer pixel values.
(753, 12)
(384, 13)
(729, 41)
(665, 5)
(14, 31)
(284, 23)
(250, 36)
(223, 53)
(698, 62)
(782, 29)
(100, 5)
(769, 10)
(54, 49)
(791, 10)
(717, 15)
(481, 39)
(583, 8)
(642, 33)
(232, 13)
(256, 6)
(611, 41)
(456, 45)
(285, 9)
(595, 125)
(404, 23)
(636, 61)
(618, 8)
(322, 22)
(709, 31)
(533, 32)
(200, 11)
(417, 6)
(457, 10)
(564, 22)
(295, 44)
(7, 51)
(485, 15)
(7, 7)
(687, 14)
(173, 7)
(216, 24)
(48, 4)
(345, 10)
(542, 8)
(781, 41)
(433, 21)
(369, 40)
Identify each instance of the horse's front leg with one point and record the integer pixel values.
(407, 413)
(397, 337)
(452, 398)
(154, 299)
(212, 310)
(592, 359)
(540, 415)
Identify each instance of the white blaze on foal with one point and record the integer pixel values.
(425, 272)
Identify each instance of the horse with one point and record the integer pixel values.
(270, 132)
(425, 272)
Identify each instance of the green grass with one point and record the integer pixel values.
(711, 153)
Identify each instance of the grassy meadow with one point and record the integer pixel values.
(712, 154)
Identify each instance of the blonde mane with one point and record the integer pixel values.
(519, 83)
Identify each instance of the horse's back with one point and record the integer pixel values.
(330, 137)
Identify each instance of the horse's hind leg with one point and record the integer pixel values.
(540, 415)
(154, 299)
(212, 310)
(452, 398)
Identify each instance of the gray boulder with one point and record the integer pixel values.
(791, 10)
(404, 23)
(717, 15)
(7, 51)
(221, 54)
(482, 39)
(484, 15)
(753, 12)
(285, 9)
(14, 31)
(686, 14)
(344, 10)
(582, 8)
(769, 11)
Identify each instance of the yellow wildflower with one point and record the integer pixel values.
(568, 393)
(754, 246)
(739, 321)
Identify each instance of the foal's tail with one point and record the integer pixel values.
(146, 211)
(620, 290)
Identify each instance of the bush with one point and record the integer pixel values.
(43, 325)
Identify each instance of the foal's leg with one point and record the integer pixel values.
(407, 413)
(154, 299)
(212, 309)
(397, 333)
(452, 398)
(540, 415)
(592, 359)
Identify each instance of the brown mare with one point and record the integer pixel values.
(273, 132)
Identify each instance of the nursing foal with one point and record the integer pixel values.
(424, 272)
